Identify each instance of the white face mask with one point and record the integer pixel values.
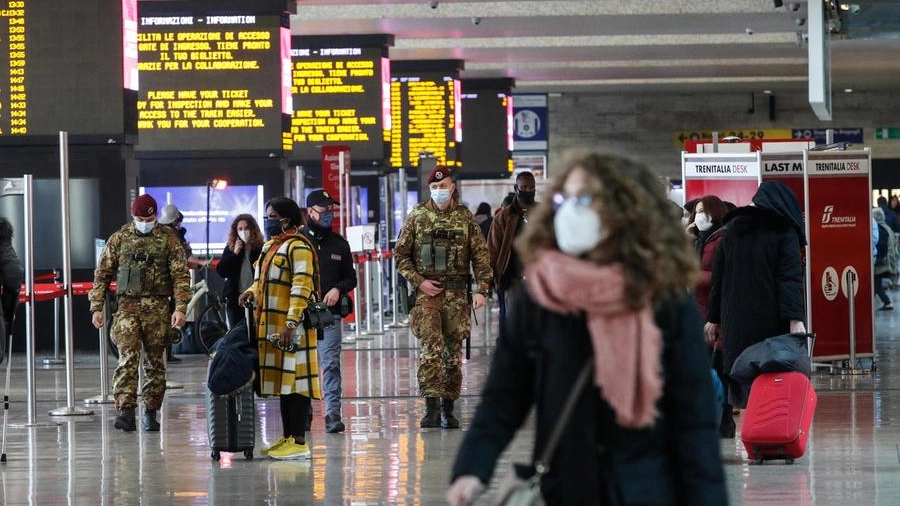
(577, 228)
(144, 227)
(244, 235)
(440, 196)
(702, 221)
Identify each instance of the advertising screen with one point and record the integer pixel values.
(224, 206)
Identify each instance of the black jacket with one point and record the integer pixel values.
(757, 279)
(335, 263)
(229, 268)
(675, 462)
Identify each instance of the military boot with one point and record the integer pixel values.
(149, 419)
(125, 420)
(432, 418)
(448, 421)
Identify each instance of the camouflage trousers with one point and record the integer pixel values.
(140, 324)
(441, 324)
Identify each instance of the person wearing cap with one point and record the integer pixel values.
(338, 278)
(149, 267)
(438, 242)
(172, 217)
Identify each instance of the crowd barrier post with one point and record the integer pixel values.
(396, 293)
(69, 409)
(379, 289)
(55, 359)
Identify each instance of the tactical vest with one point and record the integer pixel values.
(143, 266)
(443, 250)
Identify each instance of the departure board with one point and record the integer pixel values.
(215, 76)
(487, 140)
(341, 96)
(425, 118)
(66, 66)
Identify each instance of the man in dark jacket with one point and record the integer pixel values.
(757, 276)
(507, 225)
(338, 277)
(12, 277)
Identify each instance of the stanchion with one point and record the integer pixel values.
(379, 291)
(487, 321)
(55, 359)
(104, 397)
(395, 295)
(69, 409)
(363, 275)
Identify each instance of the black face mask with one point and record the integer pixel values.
(273, 227)
(525, 197)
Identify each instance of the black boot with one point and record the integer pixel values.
(448, 421)
(125, 420)
(149, 421)
(727, 426)
(432, 418)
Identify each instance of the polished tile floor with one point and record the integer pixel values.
(384, 458)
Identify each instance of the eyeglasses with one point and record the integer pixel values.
(580, 200)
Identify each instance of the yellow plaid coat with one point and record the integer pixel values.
(281, 294)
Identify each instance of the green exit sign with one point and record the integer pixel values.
(887, 132)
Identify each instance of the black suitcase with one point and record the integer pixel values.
(231, 419)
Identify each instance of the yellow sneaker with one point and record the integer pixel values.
(291, 450)
(277, 444)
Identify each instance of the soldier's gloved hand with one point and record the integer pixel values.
(178, 319)
(477, 301)
(97, 319)
(245, 298)
(430, 288)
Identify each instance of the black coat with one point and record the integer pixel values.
(229, 268)
(757, 280)
(335, 262)
(675, 462)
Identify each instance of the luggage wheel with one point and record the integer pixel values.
(216, 456)
(789, 460)
(248, 454)
(759, 461)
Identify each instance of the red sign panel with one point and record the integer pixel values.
(733, 177)
(839, 254)
(331, 177)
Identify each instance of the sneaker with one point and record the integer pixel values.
(276, 445)
(333, 424)
(291, 450)
(886, 307)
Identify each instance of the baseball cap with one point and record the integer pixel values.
(320, 198)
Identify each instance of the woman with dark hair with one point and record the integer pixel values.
(483, 217)
(709, 212)
(606, 266)
(12, 277)
(242, 248)
(285, 281)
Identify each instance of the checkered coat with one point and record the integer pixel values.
(283, 283)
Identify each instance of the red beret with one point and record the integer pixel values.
(439, 174)
(144, 206)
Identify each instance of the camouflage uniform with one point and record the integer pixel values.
(143, 317)
(440, 245)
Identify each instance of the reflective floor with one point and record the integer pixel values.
(384, 458)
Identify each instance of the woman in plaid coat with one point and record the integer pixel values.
(284, 282)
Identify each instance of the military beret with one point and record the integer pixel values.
(144, 206)
(439, 174)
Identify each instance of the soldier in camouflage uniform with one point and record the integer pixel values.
(437, 243)
(148, 264)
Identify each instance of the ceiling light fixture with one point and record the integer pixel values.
(848, 90)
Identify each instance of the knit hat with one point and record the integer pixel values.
(144, 206)
(439, 174)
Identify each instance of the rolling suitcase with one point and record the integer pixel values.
(231, 419)
(779, 415)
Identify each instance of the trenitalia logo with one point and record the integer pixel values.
(830, 220)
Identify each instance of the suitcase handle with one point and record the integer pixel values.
(248, 321)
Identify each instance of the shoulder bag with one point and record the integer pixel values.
(517, 491)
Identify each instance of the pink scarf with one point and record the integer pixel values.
(627, 343)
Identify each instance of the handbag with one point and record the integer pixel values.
(516, 490)
(317, 316)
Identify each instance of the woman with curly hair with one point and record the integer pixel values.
(607, 266)
(241, 251)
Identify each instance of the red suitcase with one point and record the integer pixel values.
(778, 416)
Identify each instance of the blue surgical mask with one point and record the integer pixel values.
(325, 219)
(273, 227)
(144, 227)
(441, 196)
